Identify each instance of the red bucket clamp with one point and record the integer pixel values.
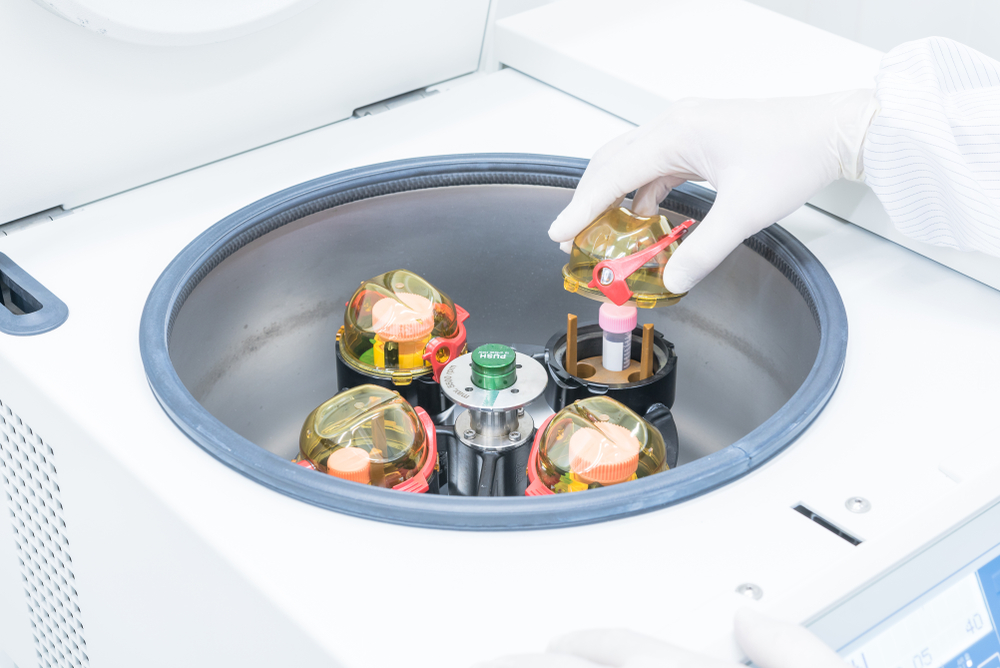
(418, 483)
(440, 351)
(536, 487)
(609, 275)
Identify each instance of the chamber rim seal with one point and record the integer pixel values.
(211, 247)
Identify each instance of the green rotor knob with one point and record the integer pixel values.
(493, 367)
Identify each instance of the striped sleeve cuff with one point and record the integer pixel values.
(932, 153)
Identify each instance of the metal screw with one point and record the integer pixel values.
(514, 436)
(858, 504)
(520, 412)
(750, 590)
(469, 434)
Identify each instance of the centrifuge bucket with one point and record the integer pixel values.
(239, 334)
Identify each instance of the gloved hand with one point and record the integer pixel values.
(765, 158)
(768, 643)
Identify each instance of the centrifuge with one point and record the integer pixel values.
(285, 345)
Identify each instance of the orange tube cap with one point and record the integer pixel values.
(607, 454)
(349, 464)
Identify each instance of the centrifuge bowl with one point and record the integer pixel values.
(237, 336)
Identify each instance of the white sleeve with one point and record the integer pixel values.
(932, 153)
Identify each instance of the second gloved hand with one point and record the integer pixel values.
(768, 643)
(765, 158)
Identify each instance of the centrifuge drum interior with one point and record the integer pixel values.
(238, 334)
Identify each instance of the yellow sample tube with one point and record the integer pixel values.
(403, 327)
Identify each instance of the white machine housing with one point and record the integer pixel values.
(129, 545)
(88, 115)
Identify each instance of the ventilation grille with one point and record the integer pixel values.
(29, 479)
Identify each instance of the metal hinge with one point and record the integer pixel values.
(393, 102)
(7, 229)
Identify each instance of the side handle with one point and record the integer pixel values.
(26, 306)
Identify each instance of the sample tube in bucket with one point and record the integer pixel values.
(403, 325)
(400, 327)
(371, 435)
(594, 442)
(617, 323)
(399, 332)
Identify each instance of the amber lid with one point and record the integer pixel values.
(367, 434)
(390, 320)
(617, 233)
(596, 442)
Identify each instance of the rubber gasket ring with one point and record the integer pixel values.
(203, 254)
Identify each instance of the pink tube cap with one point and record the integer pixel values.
(617, 319)
(405, 318)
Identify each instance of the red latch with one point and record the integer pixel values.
(418, 483)
(609, 275)
(536, 487)
(440, 351)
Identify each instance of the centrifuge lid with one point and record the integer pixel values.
(174, 22)
(114, 94)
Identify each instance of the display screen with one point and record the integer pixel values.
(953, 628)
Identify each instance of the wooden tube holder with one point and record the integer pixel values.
(646, 361)
(571, 344)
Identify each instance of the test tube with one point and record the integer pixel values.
(617, 322)
(403, 326)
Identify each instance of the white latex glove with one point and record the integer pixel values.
(767, 642)
(764, 157)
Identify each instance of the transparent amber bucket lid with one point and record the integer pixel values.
(370, 435)
(390, 323)
(594, 442)
(617, 233)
